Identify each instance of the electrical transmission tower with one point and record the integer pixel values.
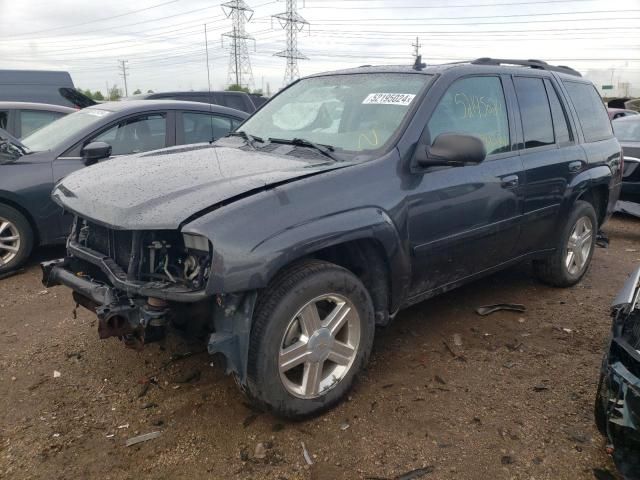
(239, 62)
(292, 22)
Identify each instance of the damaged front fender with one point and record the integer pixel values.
(232, 325)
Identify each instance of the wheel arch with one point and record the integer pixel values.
(13, 203)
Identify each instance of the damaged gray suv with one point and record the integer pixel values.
(347, 197)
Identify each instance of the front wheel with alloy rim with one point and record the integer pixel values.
(312, 333)
(16, 238)
(573, 253)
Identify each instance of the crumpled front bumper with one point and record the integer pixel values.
(134, 320)
(620, 388)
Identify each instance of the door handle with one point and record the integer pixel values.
(575, 166)
(510, 181)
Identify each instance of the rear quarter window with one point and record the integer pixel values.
(592, 113)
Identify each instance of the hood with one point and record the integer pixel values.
(159, 190)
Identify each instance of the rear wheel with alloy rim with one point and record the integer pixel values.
(16, 238)
(313, 331)
(574, 251)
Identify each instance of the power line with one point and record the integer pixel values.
(94, 21)
(395, 7)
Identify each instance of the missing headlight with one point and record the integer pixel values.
(196, 242)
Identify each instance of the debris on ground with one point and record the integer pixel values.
(56, 374)
(344, 426)
(260, 451)
(602, 240)
(305, 454)
(250, 419)
(457, 339)
(453, 353)
(540, 388)
(630, 208)
(489, 309)
(142, 438)
(417, 473)
(192, 376)
(506, 460)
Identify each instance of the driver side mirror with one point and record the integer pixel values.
(95, 152)
(451, 149)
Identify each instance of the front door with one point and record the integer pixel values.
(465, 220)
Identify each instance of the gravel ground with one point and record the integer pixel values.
(507, 396)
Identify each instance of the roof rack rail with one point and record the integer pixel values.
(526, 63)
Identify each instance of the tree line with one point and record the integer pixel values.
(114, 93)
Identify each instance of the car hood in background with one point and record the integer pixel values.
(161, 189)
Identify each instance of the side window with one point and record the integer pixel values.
(560, 124)
(474, 106)
(592, 114)
(4, 118)
(534, 111)
(201, 127)
(134, 135)
(32, 120)
(235, 101)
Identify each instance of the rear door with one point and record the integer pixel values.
(551, 157)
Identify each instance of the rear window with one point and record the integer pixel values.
(234, 101)
(535, 112)
(627, 130)
(592, 113)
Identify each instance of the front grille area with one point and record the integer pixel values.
(115, 244)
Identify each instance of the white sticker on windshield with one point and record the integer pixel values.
(389, 99)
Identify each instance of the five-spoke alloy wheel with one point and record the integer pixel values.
(16, 238)
(312, 333)
(319, 345)
(572, 256)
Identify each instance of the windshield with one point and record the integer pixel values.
(353, 113)
(627, 130)
(53, 134)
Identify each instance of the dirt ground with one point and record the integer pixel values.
(515, 402)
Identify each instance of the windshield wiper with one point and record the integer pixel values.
(302, 142)
(13, 148)
(250, 139)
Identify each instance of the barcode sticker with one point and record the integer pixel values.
(388, 99)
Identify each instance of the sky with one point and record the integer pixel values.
(163, 41)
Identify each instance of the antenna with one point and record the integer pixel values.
(418, 64)
(206, 48)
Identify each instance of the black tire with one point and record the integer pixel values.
(276, 307)
(25, 232)
(599, 410)
(553, 270)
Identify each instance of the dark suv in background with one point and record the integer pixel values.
(349, 196)
(238, 100)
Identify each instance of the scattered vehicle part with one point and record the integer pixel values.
(306, 455)
(602, 239)
(345, 198)
(617, 405)
(142, 438)
(628, 208)
(30, 168)
(489, 309)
